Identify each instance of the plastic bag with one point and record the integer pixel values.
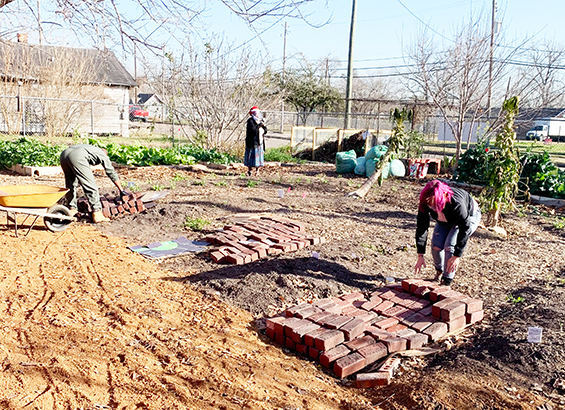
(345, 162)
(397, 168)
(360, 169)
(376, 152)
(370, 166)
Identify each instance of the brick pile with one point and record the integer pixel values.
(115, 206)
(349, 333)
(249, 238)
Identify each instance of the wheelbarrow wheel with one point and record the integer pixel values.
(54, 224)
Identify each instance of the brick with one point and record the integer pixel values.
(351, 311)
(395, 344)
(394, 311)
(474, 317)
(389, 294)
(217, 256)
(352, 297)
(396, 328)
(410, 320)
(453, 311)
(291, 311)
(302, 349)
(386, 304)
(336, 321)
(390, 366)
(435, 294)
(451, 294)
(235, 259)
(373, 352)
(318, 317)
(415, 341)
(436, 330)
(328, 340)
(285, 247)
(289, 343)
(272, 323)
(360, 342)
(456, 324)
(348, 365)
(353, 329)
(378, 334)
(405, 332)
(327, 358)
(331, 307)
(370, 304)
(367, 317)
(374, 379)
(422, 292)
(407, 282)
(310, 337)
(313, 353)
(385, 323)
(436, 307)
(407, 300)
(106, 212)
(298, 334)
(307, 313)
(427, 311)
(420, 304)
(403, 315)
(280, 338)
(293, 323)
(473, 305)
(270, 333)
(423, 323)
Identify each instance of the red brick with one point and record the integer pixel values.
(436, 330)
(456, 324)
(352, 297)
(217, 256)
(389, 294)
(291, 311)
(451, 294)
(394, 311)
(280, 338)
(235, 259)
(407, 282)
(336, 321)
(270, 333)
(453, 311)
(420, 304)
(307, 313)
(351, 311)
(273, 321)
(285, 247)
(416, 340)
(395, 344)
(474, 317)
(367, 317)
(302, 349)
(293, 323)
(373, 352)
(369, 305)
(473, 305)
(385, 323)
(310, 337)
(369, 380)
(331, 307)
(298, 334)
(396, 328)
(423, 323)
(349, 364)
(328, 340)
(289, 343)
(327, 358)
(313, 353)
(435, 294)
(106, 212)
(378, 334)
(427, 311)
(386, 304)
(353, 329)
(436, 307)
(360, 342)
(319, 317)
(390, 366)
(405, 332)
(407, 300)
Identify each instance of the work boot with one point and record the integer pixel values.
(98, 216)
(446, 281)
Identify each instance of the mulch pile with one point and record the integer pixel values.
(326, 152)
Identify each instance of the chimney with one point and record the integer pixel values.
(22, 38)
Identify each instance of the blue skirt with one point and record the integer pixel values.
(254, 157)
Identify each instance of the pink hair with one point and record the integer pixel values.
(441, 192)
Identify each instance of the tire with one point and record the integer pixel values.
(54, 224)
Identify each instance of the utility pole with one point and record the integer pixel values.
(491, 59)
(350, 68)
(282, 76)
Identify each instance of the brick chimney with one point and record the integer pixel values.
(22, 38)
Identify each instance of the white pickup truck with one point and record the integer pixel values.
(553, 128)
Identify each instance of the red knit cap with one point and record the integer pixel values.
(254, 108)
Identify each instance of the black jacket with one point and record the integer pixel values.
(457, 213)
(252, 135)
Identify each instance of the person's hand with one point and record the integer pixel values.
(420, 263)
(124, 193)
(453, 264)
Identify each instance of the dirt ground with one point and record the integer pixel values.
(88, 324)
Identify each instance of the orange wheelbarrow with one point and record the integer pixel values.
(36, 201)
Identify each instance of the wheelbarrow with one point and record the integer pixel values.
(35, 201)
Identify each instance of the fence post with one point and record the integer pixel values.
(92, 119)
(24, 116)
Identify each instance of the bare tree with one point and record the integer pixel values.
(212, 89)
(456, 80)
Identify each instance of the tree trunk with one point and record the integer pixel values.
(362, 191)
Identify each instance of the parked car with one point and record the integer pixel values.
(137, 113)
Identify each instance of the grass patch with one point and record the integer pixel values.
(195, 224)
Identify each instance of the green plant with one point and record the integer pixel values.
(512, 299)
(281, 154)
(195, 224)
(414, 144)
(251, 183)
(199, 182)
(157, 187)
(133, 187)
(559, 223)
(29, 152)
(221, 182)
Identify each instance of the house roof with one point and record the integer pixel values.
(143, 98)
(21, 61)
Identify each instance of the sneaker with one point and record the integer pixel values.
(98, 216)
(446, 281)
(438, 275)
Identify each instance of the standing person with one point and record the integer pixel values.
(255, 141)
(457, 216)
(76, 161)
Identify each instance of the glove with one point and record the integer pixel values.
(124, 193)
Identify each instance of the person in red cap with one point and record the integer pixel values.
(255, 141)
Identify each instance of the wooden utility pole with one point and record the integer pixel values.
(348, 91)
(282, 76)
(491, 59)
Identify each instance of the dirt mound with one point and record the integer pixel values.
(326, 152)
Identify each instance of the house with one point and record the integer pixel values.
(157, 109)
(62, 91)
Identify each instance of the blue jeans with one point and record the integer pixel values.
(444, 240)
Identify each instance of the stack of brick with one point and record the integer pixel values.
(115, 206)
(349, 333)
(253, 237)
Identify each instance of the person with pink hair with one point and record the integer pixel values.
(255, 141)
(457, 216)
